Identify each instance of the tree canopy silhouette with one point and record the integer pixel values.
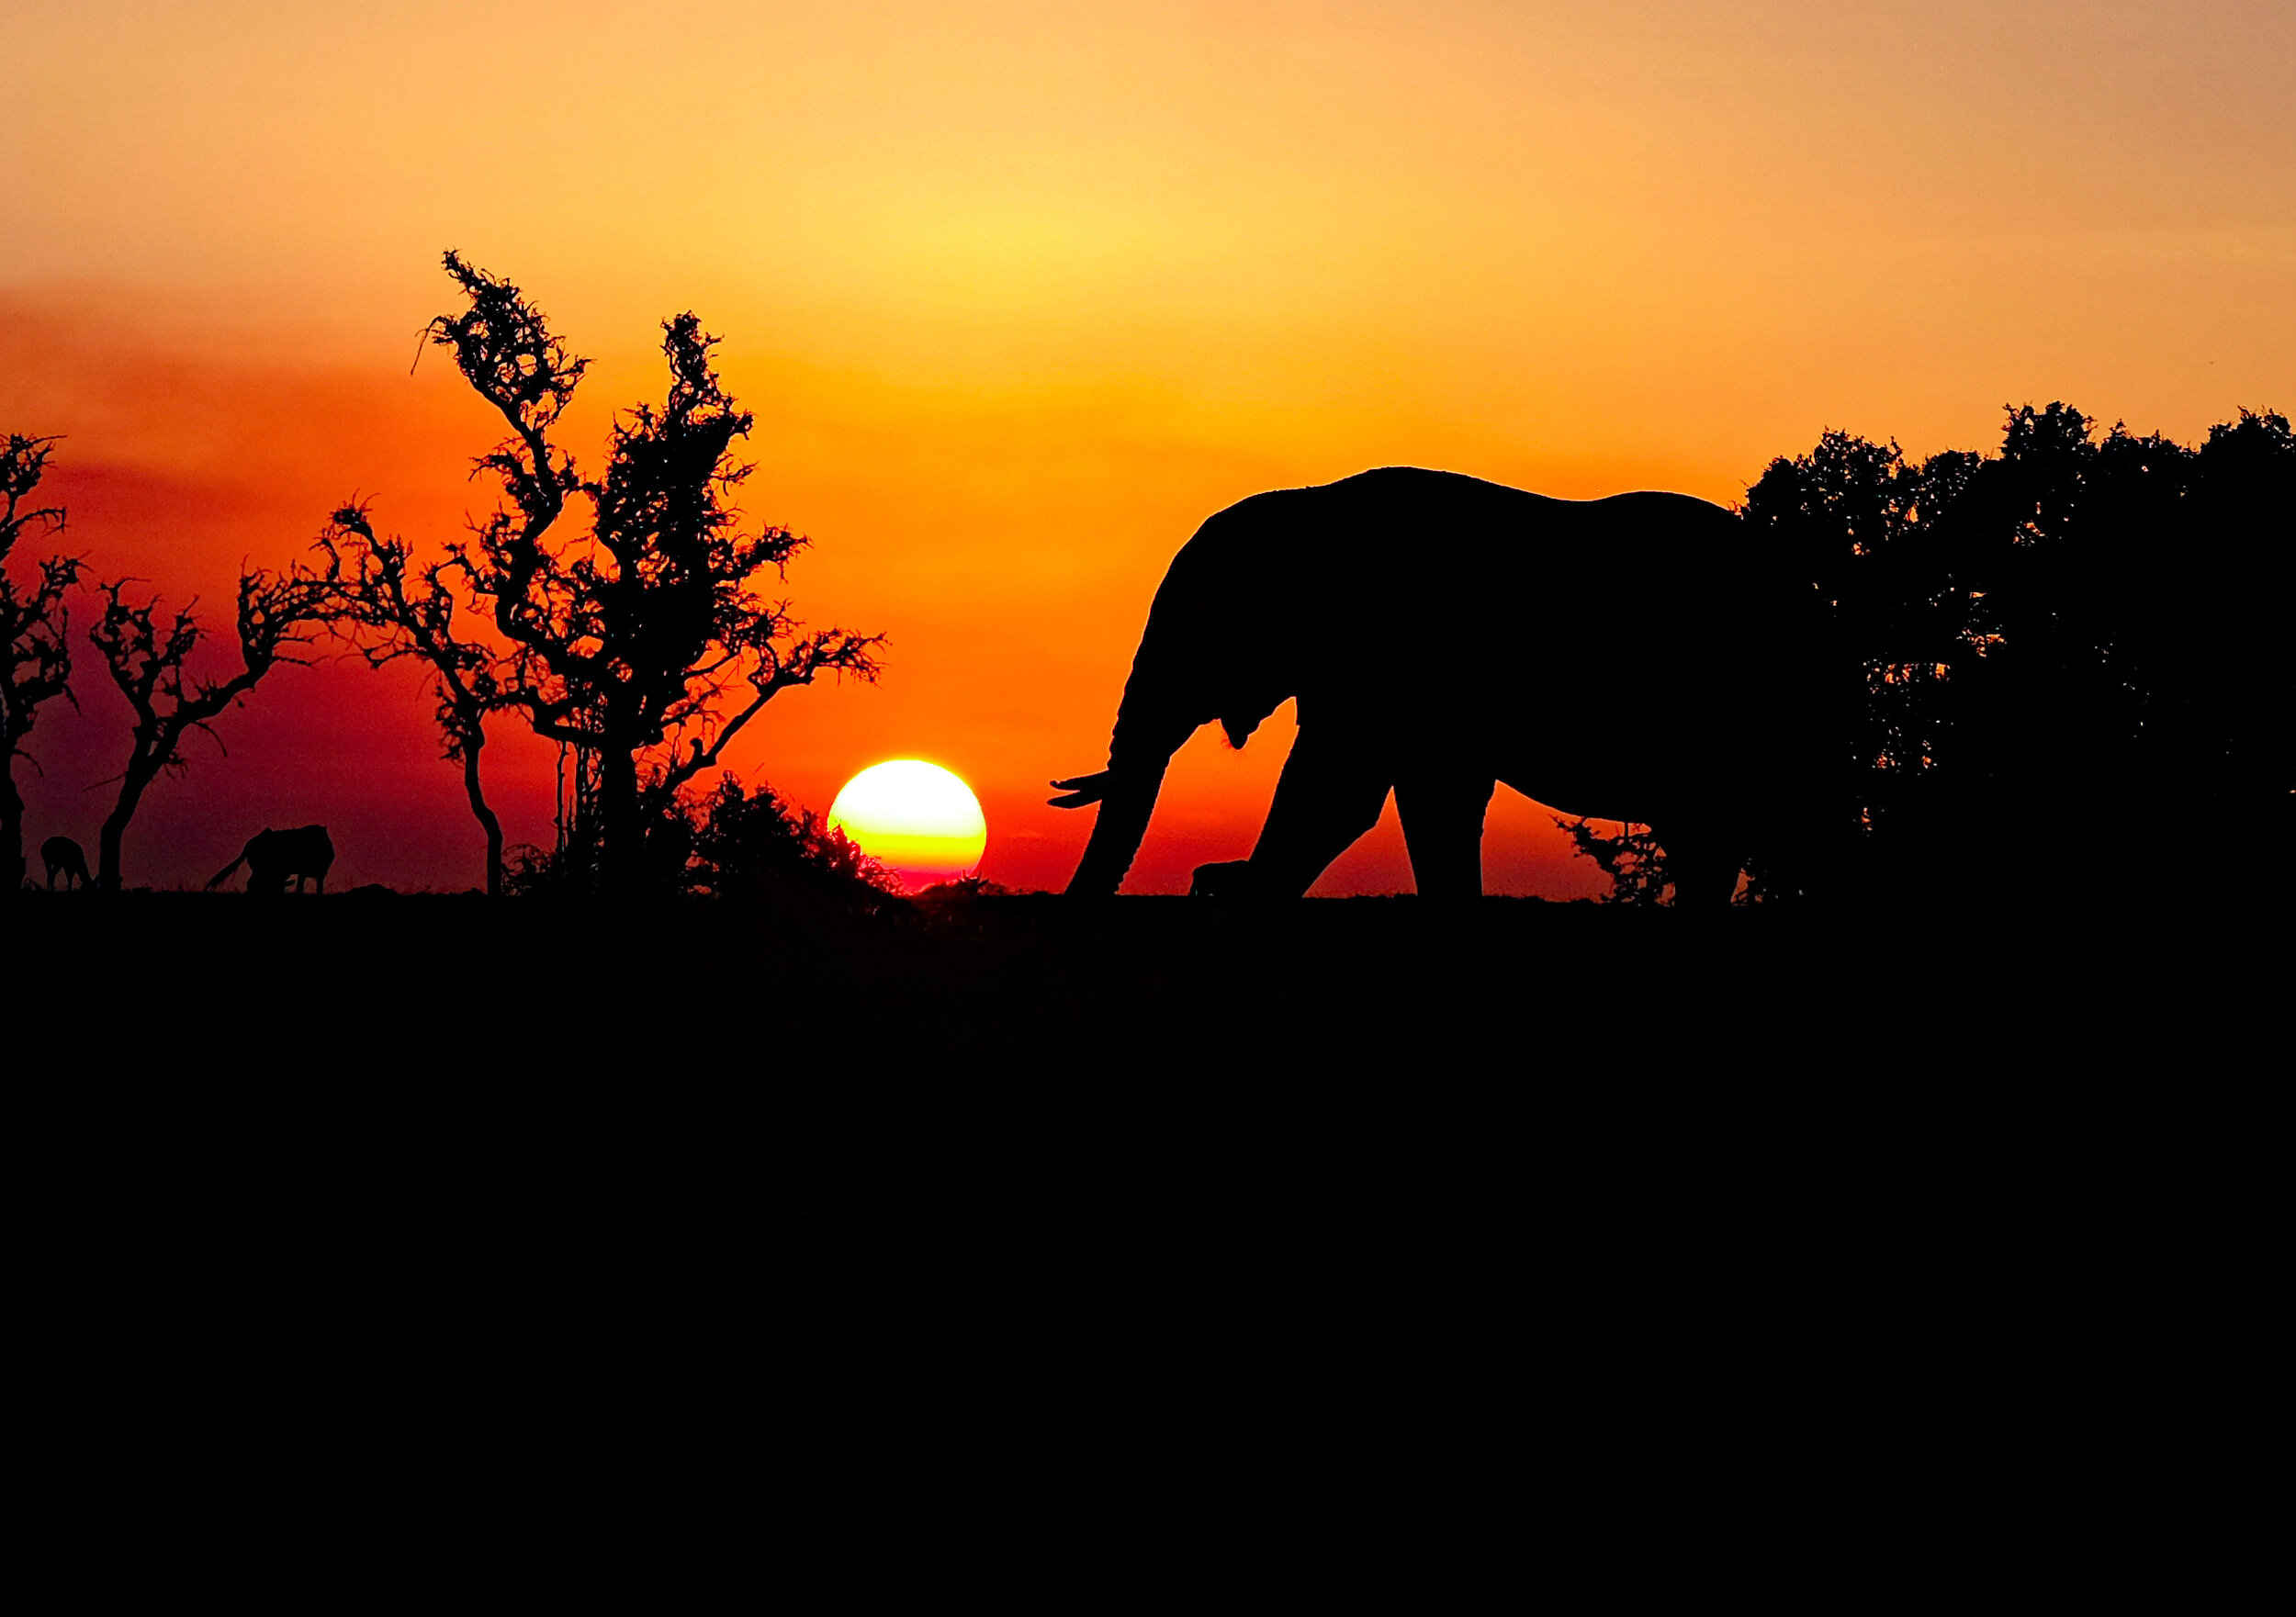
(647, 644)
(146, 652)
(34, 628)
(2046, 633)
(394, 611)
(1633, 859)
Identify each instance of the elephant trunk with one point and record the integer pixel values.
(1138, 753)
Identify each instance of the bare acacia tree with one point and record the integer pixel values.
(395, 610)
(146, 654)
(635, 640)
(35, 651)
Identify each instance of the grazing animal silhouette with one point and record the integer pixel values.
(60, 853)
(1628, 658)
(271, 857)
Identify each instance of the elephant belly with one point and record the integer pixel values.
(1623, 776)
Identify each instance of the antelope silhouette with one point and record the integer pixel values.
(60, 853)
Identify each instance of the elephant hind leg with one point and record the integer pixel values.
(1443, 826)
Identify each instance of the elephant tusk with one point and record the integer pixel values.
(1082, 790)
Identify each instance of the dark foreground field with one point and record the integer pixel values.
(392, 1253)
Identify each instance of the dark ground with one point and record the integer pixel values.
(389, 1253)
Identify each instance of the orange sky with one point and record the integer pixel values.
(1021, 292)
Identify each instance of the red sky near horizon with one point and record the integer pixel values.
(1021, 292)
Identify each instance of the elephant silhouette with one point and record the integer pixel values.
(272, 856)
(1628, 658)
(62, 855)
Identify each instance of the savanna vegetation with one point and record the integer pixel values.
(643, 646)
(808, 1240)
(2051, 644)
(2060, 645)
(640, 634)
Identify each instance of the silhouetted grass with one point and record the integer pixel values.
(383, 1251)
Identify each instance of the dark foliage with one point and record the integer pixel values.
(393, 611)
(736, 844)
(34, 628)
(628, 645)
(2042, 637)
(2050, 634)
(750, 845)
(1633, 860)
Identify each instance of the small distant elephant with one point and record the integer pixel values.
(62, 854)
(272, 856)
(1632, 658)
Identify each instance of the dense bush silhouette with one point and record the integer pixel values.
(2047, 634)
(2041, 636)
(733, 843)
(750, 845)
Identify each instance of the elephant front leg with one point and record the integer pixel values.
(1332, 789)
(1442, 813)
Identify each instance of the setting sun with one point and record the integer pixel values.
(917, 819)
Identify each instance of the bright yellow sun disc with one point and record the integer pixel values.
(917, 819)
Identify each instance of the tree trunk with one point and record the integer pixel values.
(486, 818)
(131, 787)
(11, 828)
(622, 834)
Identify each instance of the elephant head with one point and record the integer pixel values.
(1216, 649)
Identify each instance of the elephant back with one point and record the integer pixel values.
(1404, 569)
